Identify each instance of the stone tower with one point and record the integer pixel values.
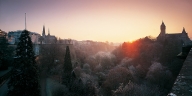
(163, 28)
(162, 34)
(184, 37)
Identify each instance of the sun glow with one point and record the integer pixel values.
(98, 20)
(131, 41)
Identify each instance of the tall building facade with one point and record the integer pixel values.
(13, 37)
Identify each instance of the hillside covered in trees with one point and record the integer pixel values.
(144, 67)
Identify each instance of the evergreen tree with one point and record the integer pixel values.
(3, 50)
(24, 77)
(67, 68)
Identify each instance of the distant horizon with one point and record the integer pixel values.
(107, 20)
(94, 40)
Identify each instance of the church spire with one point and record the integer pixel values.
(162, 23)
(183, 30)
(43, 33)
(48, 32)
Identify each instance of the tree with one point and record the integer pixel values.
(24, 77)
(67, 68)
(49, 58)
(116, 76)
(5, 51)
(160, 76)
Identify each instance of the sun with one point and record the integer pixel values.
(130, 41)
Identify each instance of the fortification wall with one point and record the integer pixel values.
(183, 83)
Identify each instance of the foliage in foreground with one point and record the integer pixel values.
(24, 77)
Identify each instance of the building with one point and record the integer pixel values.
(183, 36)
(13, 37)
(47, 39)
(3, 37)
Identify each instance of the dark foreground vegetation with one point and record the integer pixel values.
(145, 67)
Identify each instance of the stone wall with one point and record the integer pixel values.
(183, 83)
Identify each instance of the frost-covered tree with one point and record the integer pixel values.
(67, 68)
(24, 77)
(160, 76)
(116, 76)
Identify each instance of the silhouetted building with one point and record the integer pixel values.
(47, 39)
(183, 36)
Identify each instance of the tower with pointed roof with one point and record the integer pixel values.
(163, 28)
(48, 32)
(43, 33)
(183, 30)
(162, 32)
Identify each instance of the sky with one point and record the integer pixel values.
(98, 20)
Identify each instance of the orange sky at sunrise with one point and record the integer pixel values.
(98, 20)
